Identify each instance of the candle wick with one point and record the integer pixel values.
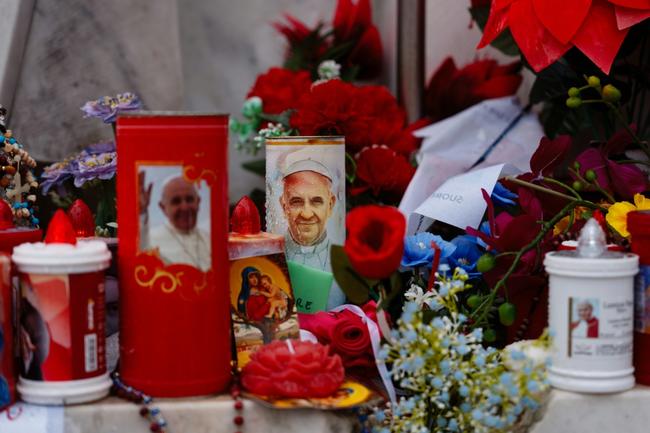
(290, 346)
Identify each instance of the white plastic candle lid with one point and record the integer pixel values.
(42, 258)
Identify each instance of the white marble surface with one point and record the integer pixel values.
(202, 415)
(15, 20)
(626, 412)
(83, 49)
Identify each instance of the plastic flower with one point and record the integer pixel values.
(622, 179)
(617, 213)
(382, 170)
(100, 166)
(108, 107)
(502, 196)
(365, 115)
(466, 253)
(280, 89)
(453, 380)
(353, 26)
(419, 250)
(451, 90)
(375, 240)
(545, 29)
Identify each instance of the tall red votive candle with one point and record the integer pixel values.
(172, 216)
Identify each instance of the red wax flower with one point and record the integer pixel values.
(353, 25)
(382, 170)
(375, 241)
(60, 230)
(545, 29)
(280, 89)
(364, 115)
(82, 219)
(451, 90)
(245, 217)
(293, 369)
(6, 216)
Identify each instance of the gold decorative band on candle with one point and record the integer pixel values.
(306, 140)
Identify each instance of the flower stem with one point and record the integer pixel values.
(563, 185)
(484, 308)
(539, 188)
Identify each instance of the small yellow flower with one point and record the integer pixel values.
(617, 213)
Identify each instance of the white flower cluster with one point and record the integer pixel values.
(453, 383)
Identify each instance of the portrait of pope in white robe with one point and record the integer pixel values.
(170, 222)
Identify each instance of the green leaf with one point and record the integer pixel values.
(257, 166)
(355, 287)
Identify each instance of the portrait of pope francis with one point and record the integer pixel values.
(175, 233)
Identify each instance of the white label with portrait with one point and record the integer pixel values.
(600, 327)
(305, 196)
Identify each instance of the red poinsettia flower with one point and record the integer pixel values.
(545, 29)
(382, 171)
(625, 180)
(451, 90)
(280, 89)
(306, 47)
(353, 25)
(364, 115)
(375, 241)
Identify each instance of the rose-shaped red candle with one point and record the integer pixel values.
(375, 242)
(293, 369)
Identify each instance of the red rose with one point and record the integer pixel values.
(353, 25)
(364, 115)
(304, 370)
(280, 89)
(345, 332)
(451, 90)
(375, 241)
(382, 170)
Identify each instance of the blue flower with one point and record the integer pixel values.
(411, 335)
(453, 425)
(466, 254)
(437, 382)
(438, 323)
(445, 366)
(459, 375)
(477, 414)
(502, 196)
(418, 250)
(463, 391)
(380, 416)
(442, 422)
(465, 407)
(479, 360)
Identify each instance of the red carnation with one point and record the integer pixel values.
(353, 25)
(451, 90)
(280, 89)
(375, 241)
(302, 370)
(545, 29)
(382, 170)
(364, 115)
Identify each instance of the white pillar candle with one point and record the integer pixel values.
(591, 313)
